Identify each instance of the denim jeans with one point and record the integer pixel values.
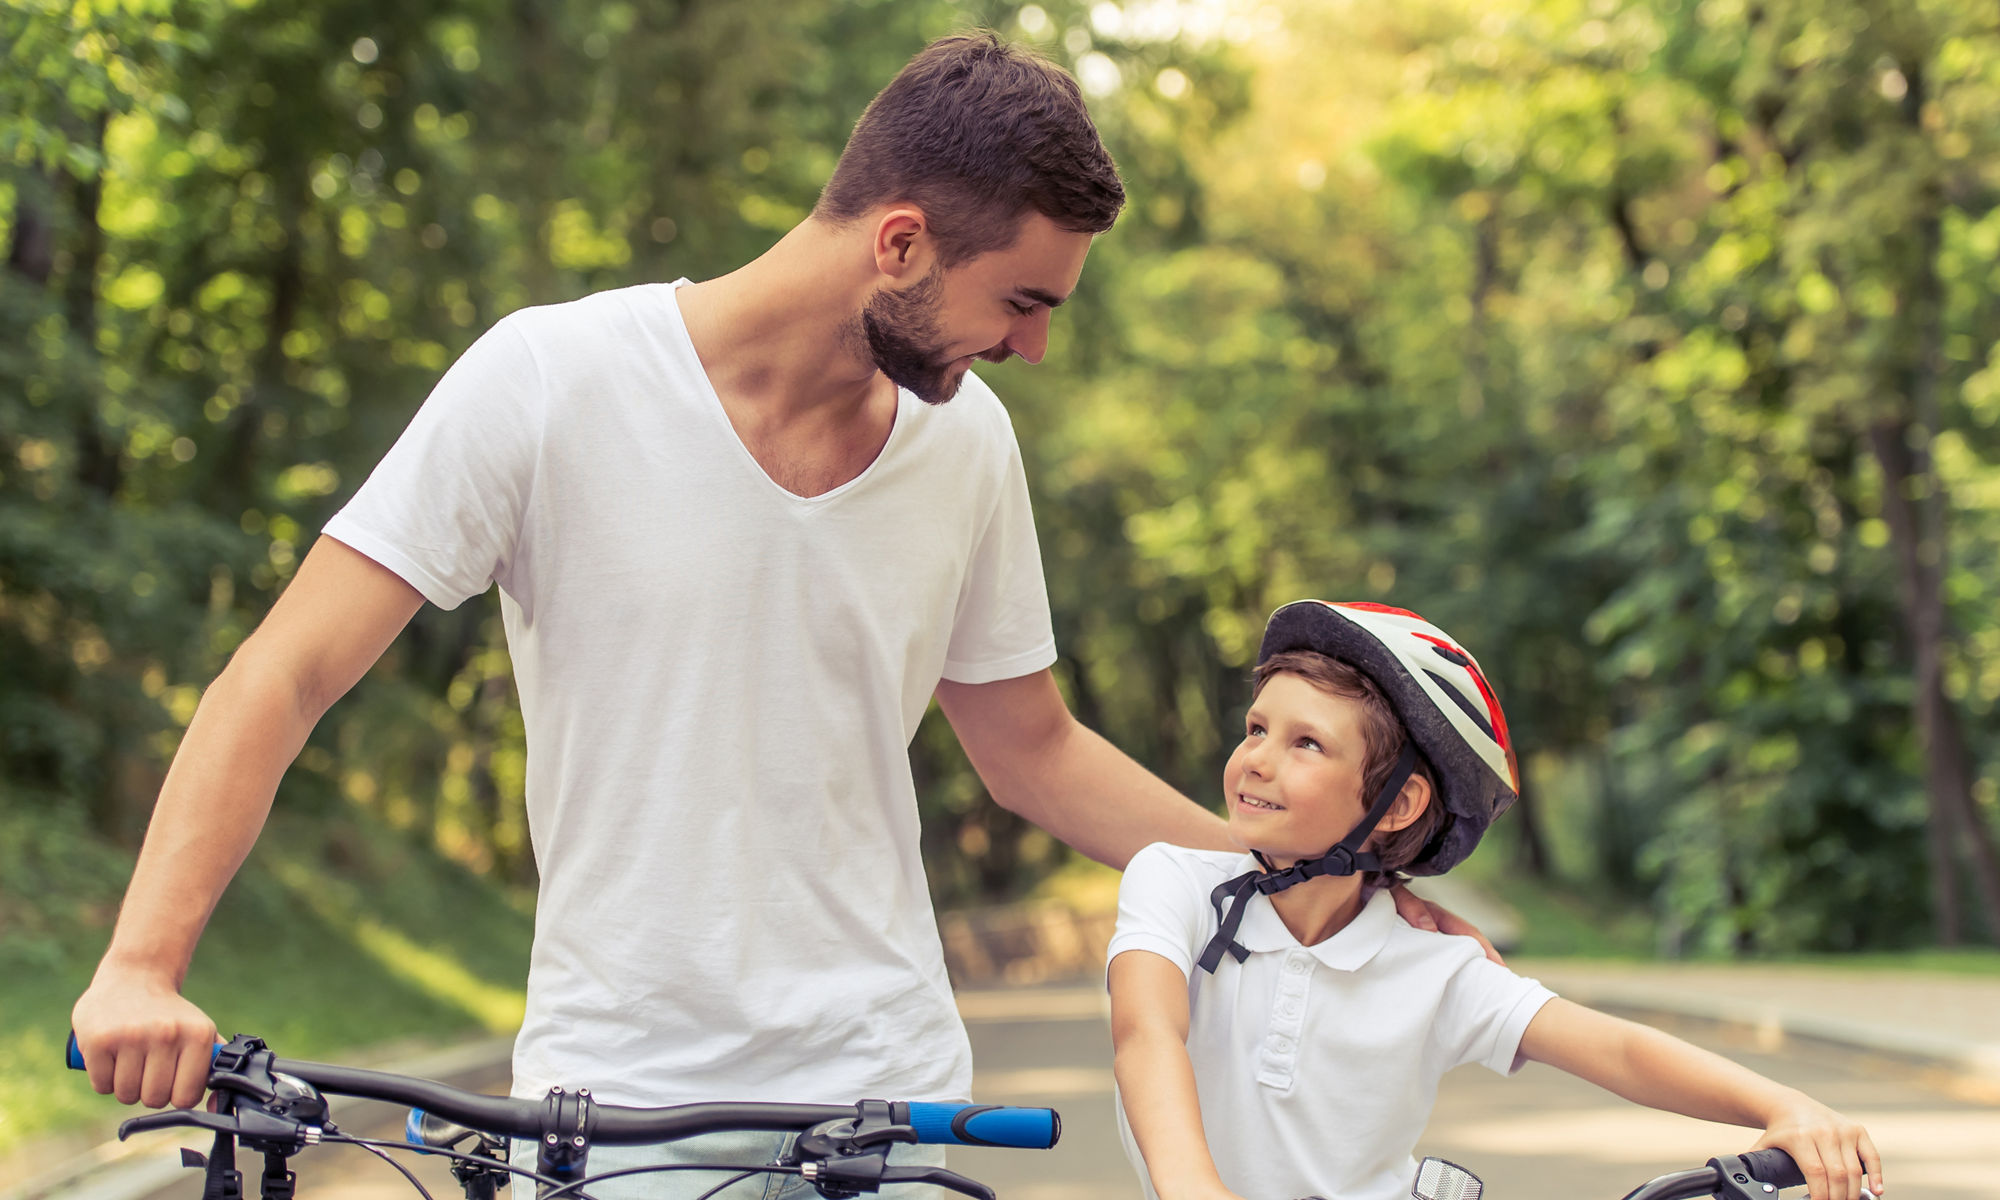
(748, 1148)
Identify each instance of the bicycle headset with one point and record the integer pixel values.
(1451, 718)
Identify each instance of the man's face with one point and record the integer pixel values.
(925, 335)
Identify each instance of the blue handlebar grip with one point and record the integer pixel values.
(985, 1125)
(73, 1056)
(413, 1130)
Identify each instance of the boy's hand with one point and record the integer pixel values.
(1831, 1150)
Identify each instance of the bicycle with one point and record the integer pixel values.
(277, 1107)
(1758, 1175)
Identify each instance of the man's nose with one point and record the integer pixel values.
(1030, 336)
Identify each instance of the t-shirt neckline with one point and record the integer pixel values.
(713, 401)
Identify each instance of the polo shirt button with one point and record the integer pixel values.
(1300, 966)
(1281, 1043)
(1289, 1008)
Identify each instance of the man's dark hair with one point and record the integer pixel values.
(1382, 736)
(975, 132)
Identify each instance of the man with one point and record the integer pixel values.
(743, 533)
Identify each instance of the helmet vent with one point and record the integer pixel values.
(1465, 706)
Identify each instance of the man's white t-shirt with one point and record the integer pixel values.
(720, 681)
(1317, 1066)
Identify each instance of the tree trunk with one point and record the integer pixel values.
(1533, 850)
(31, 252)
(98, 465)
(1913, 505)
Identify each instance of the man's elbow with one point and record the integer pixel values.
(260, 674)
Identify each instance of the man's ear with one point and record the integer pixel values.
(903, 246)
(1409, 805)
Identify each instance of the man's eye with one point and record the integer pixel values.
(1020, 309)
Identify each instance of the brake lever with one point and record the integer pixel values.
(213, 1122)
(938, 1177)
(258, 1130)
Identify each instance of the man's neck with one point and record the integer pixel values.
(776, 335)
(775, 339)
(1320, 907)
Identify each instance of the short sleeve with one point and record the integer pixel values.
(444, 508)
(1485, 1012)
(1161, 908)
(1002, 628)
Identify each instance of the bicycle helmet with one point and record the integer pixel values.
(1451, 716)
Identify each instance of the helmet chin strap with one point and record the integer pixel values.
(1346, 858)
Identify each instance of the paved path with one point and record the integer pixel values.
(1929, 1089)
(1539, 1133)
(1949, 1020)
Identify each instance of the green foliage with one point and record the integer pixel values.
(414, 947)
(1570, 323)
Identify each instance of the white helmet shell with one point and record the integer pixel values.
(1438, 691)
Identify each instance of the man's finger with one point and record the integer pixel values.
(127, 1071)
(98, 1063)
(191, 1076)
(156, 1082)
(1413, 908)
(1451, 923)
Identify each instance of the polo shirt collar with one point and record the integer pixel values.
(1349, 950)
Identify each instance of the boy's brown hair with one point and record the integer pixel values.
(1382, 736)
(975, 132)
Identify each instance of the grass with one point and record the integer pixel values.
(338, 935)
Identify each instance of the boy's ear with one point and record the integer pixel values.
(1409, 805)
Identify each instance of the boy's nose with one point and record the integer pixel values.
(1254, 760)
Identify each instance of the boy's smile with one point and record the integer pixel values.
(1293, 787)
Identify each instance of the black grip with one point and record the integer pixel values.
(1775, 1167)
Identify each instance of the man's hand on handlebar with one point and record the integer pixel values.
(142, 1041)
(1834, 1153)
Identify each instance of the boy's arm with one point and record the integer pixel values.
(1149, 1026)
(1660, 1071)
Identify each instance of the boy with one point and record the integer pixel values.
(1279, 1032)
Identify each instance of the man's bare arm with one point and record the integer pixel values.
(140, 1038)
(1039, 761)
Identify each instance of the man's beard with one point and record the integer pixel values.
(902, 332)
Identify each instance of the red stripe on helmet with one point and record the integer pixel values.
(1498, 718)
(1371, 606)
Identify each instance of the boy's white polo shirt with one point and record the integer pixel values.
(1317, 1066)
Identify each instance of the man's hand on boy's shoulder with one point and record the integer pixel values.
(1423, 914)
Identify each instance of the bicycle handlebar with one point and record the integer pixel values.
(616, 1125)
(1775, 1167)
(1757, 1175)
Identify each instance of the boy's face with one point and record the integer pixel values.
(1293, 787)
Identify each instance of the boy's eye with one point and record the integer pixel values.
(1254, 730)
(1307, 743)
